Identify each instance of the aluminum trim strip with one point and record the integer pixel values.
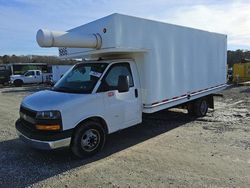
(182, 97)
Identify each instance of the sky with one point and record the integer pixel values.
(20, 19)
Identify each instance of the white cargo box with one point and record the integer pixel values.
(175, 63)
(58, 71)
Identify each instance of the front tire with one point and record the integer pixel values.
(18, 83)
(88, 139)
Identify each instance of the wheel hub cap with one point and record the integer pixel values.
(90, 140)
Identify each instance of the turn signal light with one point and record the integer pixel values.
(48, 127)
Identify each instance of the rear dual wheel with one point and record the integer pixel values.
(88, 139)
(198, 107)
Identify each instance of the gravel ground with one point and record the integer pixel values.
(169, 149)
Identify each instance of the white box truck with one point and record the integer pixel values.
(130, 66)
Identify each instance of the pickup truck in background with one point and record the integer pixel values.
(30, 77)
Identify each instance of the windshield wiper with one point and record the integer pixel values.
(66, 90)
(62, 89)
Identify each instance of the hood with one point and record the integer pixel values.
(52, 100)
(16, 75)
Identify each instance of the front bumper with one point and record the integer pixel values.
(43, 140)
(44, 145)
(11, 81)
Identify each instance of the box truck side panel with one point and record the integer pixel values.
(176, 60)
(180, 60)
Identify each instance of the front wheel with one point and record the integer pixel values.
(88, 139)
(18, 83)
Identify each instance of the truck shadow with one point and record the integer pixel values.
(22, 166)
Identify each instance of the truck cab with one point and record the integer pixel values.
(30, 76)
(91, 100)
(33, 76)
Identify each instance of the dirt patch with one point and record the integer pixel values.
(169, 149)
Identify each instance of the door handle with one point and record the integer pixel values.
(136, 93)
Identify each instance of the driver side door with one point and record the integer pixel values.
(29, 77)
(121, 108)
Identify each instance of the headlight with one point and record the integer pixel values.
(48, 115)
(48, 120)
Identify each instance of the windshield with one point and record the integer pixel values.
(29, 73)
(25, 72)
(82, 78)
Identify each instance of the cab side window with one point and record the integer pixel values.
(30, 73)
(110, 81)
(38, 73)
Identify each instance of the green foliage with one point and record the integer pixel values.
(34, 59)
(236, 56)
(232, 58)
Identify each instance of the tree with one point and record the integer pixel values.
(6, 59)
(237, 56)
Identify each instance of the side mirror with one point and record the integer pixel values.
(123, 84)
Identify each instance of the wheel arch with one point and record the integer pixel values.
(98, 119)
(18, 79)
(75, 143)
(18, 82)
(209, 99)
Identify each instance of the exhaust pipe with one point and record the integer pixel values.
(46, 38)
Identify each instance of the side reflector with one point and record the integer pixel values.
(48, 127)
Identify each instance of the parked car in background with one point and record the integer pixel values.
(30, 77)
